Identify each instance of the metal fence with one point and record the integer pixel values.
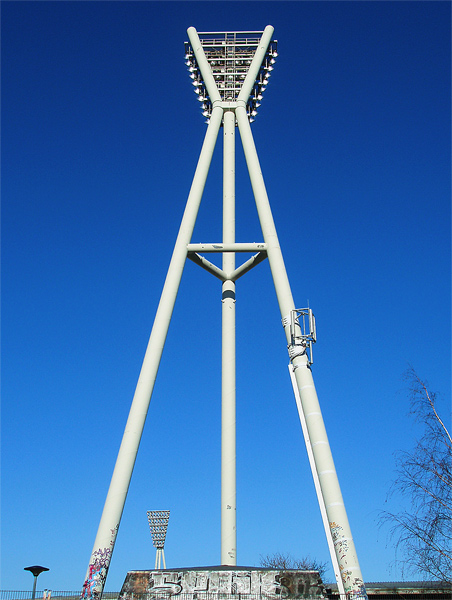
(54, 595)
(159, 595)
(439, 594)
(71, 595)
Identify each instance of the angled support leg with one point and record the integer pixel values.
(329, 483)
(119, 485)
(318, 489)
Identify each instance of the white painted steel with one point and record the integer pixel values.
(248, 265)
(159, 557)
(318, 489)
(223, 247)
(202, 262)
(255, 65)
(324, 466)
(219, 273)
(119, 485)
(337, 516)
(228, 386)
(203, 65)
(274, 254)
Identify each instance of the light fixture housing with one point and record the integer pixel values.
(229, 55)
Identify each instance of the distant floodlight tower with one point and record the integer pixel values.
(230, 72)
(158, 523)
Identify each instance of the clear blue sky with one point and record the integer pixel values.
(101, 133)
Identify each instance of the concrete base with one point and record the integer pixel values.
(223, 581)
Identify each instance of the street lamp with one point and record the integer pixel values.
(36, 570)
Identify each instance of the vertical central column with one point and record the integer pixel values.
(228, 468)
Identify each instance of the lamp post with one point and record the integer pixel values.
(36, 570)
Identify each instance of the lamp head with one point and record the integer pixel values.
(36, 570)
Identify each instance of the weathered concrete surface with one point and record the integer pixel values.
(201, 582)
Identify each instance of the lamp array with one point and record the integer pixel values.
(229, 56)
(158, 524)
(197, 81)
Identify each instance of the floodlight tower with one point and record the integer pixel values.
(158, 524)
(230, 72)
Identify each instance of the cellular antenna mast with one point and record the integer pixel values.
(230, 72)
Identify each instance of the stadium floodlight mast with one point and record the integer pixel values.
(158, 524)
(230, 72)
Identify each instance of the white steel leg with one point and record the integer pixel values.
(318, 489)
(228, 425)
(337, 516)
(119, 485)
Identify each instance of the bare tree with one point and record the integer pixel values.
(286, 561)
(423, 534)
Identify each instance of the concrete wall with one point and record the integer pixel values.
(193, 583)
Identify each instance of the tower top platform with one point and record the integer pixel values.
(229, 55)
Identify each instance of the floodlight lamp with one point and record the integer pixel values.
(229, 63)
(251, 120)
(196, 90)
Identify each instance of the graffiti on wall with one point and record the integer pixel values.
(149, 585)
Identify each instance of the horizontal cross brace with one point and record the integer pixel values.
(255, 247)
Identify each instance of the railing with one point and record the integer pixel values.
(422, 594)
(158, 595)
(54, 595)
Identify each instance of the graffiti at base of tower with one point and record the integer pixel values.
(98, 569)
(196, 584)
